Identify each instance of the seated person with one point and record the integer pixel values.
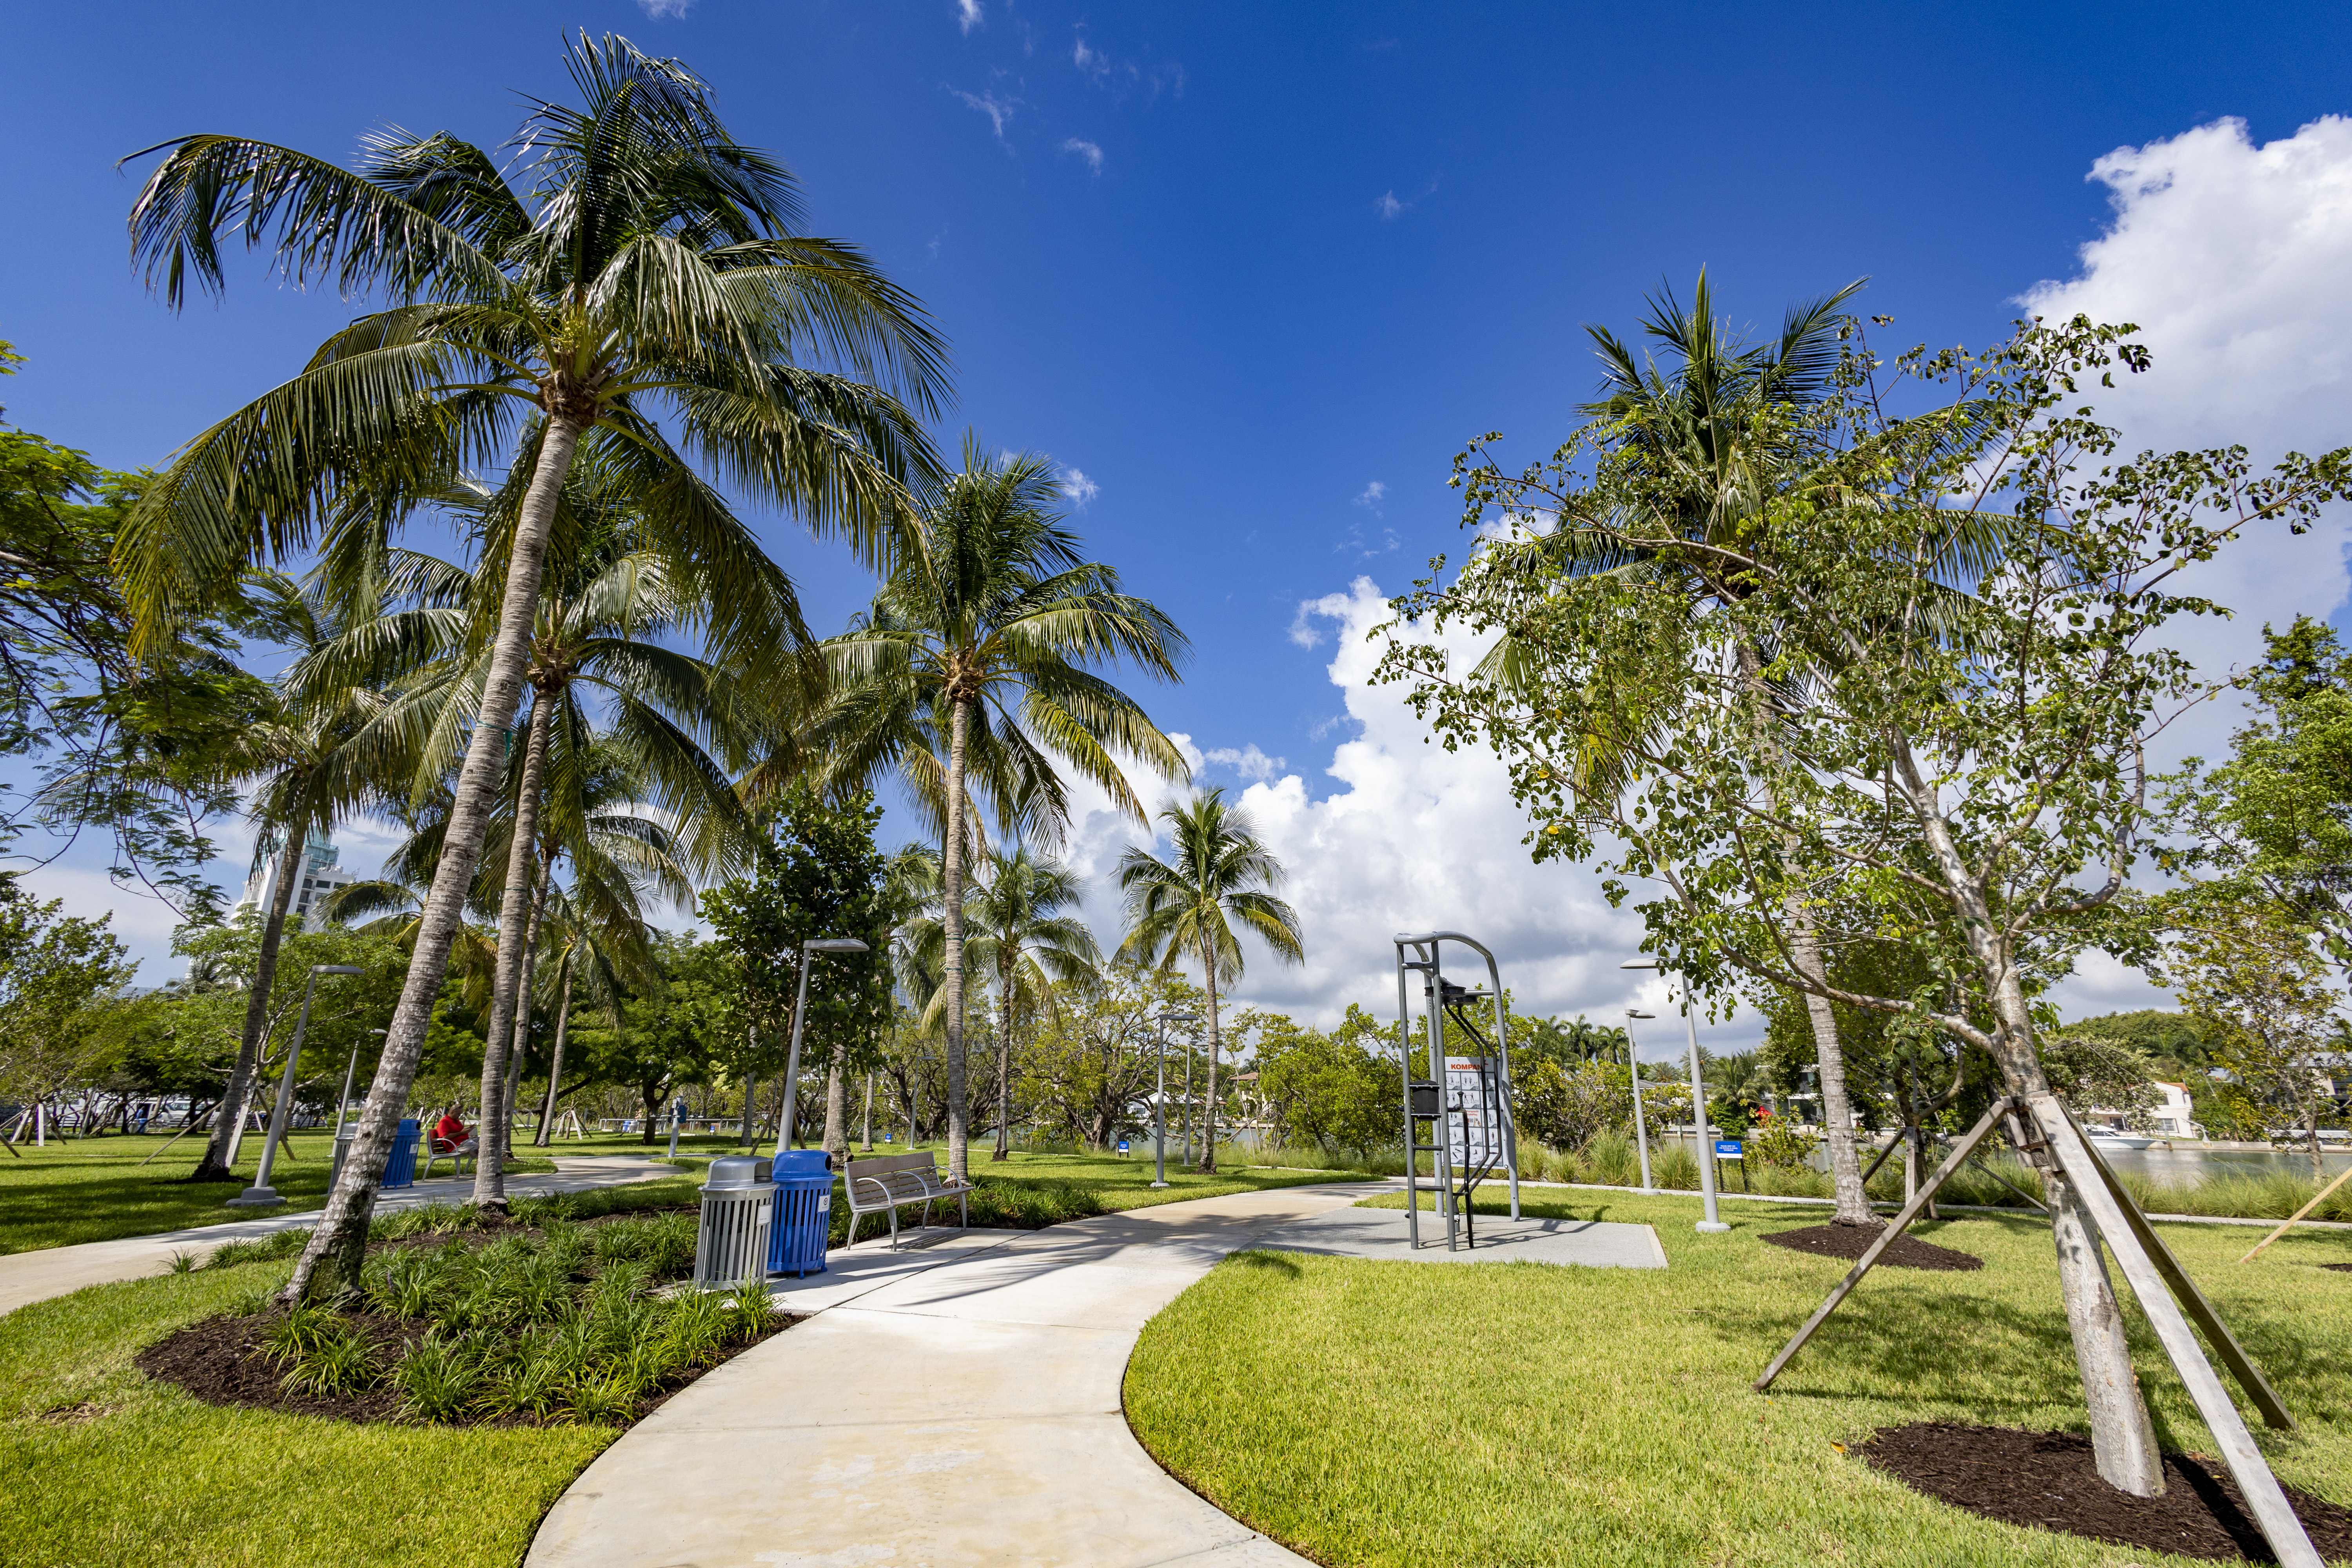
(450, 1134)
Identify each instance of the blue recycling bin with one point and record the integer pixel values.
(803, 1216)
(400, 1165)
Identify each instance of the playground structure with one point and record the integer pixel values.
(1465, 1100)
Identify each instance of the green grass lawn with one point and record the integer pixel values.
(115, 1468)
(79, 1190)
(1375, 1414)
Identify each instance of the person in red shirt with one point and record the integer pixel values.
(450, 1132)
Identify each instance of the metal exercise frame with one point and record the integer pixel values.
(1429, 1104)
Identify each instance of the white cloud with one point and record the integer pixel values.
(1415, 837)
(1078, 488)
(1372, 496)
(1093, 62)
(1388, 207)
(1086, 149)
(660, 9)
(1249, 761)
(998, 109)
(968, 14)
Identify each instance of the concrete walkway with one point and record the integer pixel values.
(28, 1277)
(955, 1404)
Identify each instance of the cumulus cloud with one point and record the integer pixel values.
(1371, 497)
(998, 109)
(1388, 207)
(660, 9)
(1416, 837)
(1086, 149)
(1078, 488)
(968, 14)
(1249, 761)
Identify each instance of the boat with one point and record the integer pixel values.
(2111, 1139)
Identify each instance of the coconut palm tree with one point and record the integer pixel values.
(1016, 930)
(1186, 907)
(971, 668)
(650, 265)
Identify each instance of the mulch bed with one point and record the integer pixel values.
(1851, 1241)
(2339, 1267)
(2049, 1480)
(220, 1361)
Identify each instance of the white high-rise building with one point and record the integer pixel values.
(320, 876)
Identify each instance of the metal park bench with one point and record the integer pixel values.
(889, 1185)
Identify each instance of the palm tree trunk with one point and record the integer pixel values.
(330, 1265)
(951, 892)
(514, 945)
(1004, 1063)
(1209, 1104)
(836, 1113)
(220, 1149)
(555, 1058)
(519, 1050)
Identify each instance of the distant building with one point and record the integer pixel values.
(320, 877)
(2169, 1119)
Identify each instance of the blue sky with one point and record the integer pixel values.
(1255, 272)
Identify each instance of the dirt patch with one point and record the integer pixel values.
(1851, 1241)
(2339, 1267)
(75, 1415)
(220, 1361)
(2049, 1480)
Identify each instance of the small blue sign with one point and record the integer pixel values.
(886, 1137)
(1122, 1145)
(1728, 1149)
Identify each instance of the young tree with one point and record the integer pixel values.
(818, 875)
(56, 970)
(2256, 974)
(1186, 907)
(653, 264)
(1945, 739)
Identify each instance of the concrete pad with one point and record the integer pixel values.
(962, 1409)
(851, 1273)
(28, 1277)
(1381, 1234)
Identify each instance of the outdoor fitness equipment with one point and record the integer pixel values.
(1465, 1100)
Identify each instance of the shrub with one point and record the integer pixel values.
(305, 1328)
(438, 1381)
(345, 1364)
(599, 1398)
(1777, 1143)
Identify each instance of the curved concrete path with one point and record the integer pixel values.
(954, 1404)
(28, 1277)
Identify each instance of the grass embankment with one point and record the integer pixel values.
(1376, 1413)
(133, 1471)
(97, 1189)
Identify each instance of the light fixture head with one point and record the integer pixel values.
(1640, 963)
(1637, 1013)
(336, 969)
(835, 944)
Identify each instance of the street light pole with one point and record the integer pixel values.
(1641, 1123)
(1712, 1224)
(1160, 1099)
(809, 950)
(350, 1070)
(261, 1194)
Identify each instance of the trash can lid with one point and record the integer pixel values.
(737, 1172)
(803, 1162)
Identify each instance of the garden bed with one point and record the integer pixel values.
(2049, 1480)
(1851, 1241)
(530, 1320)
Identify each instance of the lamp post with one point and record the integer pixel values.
(1159, 1097)
(809, 950)
(1641, 1123)
(261, 1194)
(350, 1069)
(1712, 1224)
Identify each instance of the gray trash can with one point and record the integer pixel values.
(731, 1244)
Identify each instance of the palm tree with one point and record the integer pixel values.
(970, 668)
(1186, 906)
(651, 262)
(305, 772)
(1017, 931)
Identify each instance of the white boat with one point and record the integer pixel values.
(2108, 1138)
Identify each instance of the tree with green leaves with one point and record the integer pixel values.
(1218, 876)
(1953, 756)
(56, 971)
(1018, 932)
(651, 275)
(817, 875)
(2257, 973)
(1338, 1092)
(977, 667)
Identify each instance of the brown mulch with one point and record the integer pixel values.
(2339, 1267)
(220, 1361)
(1851, 1241)
(2048, 1480)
